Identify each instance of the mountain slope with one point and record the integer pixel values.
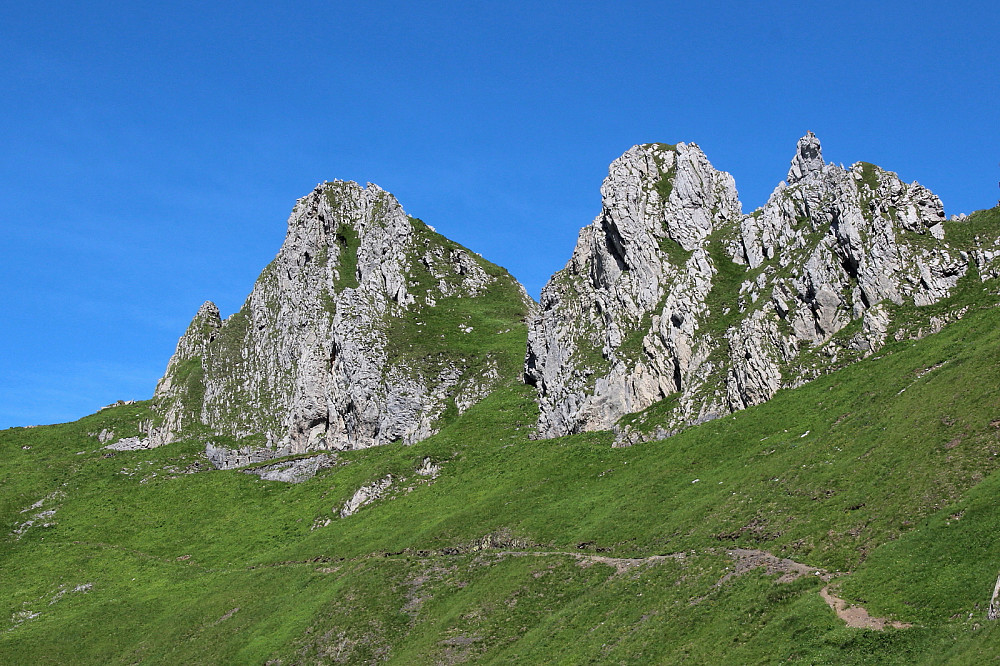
(494, 547)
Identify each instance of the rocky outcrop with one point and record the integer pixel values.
(179, 393)
(365, 495)
(993, 610)
(295, 471)
(130, 444)
(362, 331)
(674, 298)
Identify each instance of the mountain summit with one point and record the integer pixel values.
(368, 327)
(673, 296)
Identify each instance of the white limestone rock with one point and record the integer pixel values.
(673, 292)
(295, 471)
(808, 159)
(616, 329)
(365, 495)
(318, 357)
(130, 444)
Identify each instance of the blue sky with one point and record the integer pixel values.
(151, 153)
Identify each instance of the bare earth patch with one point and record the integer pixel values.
(746, 559)
(858, 617)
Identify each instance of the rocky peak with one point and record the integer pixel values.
(673, 294)
(645, 255)
(333, 348)
(675, 184)
(200, 330)
(808, 159)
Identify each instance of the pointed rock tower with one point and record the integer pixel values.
(617, 328)
(367, 328)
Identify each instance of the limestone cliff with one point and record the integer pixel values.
(367, 328)
(674, 298)
(644, 258)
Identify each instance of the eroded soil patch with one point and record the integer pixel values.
(858, 617)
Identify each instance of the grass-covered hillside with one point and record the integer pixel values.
(876, 484)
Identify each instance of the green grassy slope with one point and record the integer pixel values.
(886, 470)
(883, 474)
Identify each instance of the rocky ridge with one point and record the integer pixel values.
(367, 328)
(674, 298)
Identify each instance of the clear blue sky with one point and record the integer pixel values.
(151, 153)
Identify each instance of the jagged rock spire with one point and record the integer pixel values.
(673, 294)
(643, 262)
(808, 159)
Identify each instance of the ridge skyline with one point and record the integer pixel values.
(138, 173)
(533, 293)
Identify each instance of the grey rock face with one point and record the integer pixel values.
(808, 159)
(295, 471)
(178, 391)
(429, 468)
(673, 293)
(615, 330)
(130, 444)
(365, 495)
(993, 611)
(328, 351)
(234, 458)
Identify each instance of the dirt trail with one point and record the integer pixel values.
(858, 617)
(621, 564)
(855, 616)
(744, 560)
